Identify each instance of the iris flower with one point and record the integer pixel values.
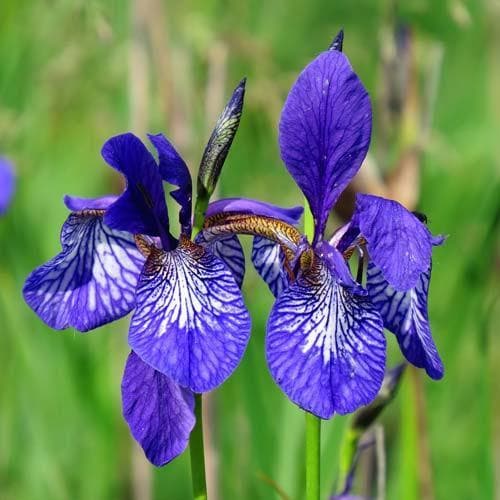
(189, 327)
(325, 343)
(7, 184)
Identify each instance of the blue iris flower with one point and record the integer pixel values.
(189, 327)
(325, 341)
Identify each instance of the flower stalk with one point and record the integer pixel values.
(196, 447)
(197, 453)
(313, 423)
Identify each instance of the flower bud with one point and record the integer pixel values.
(219, 143)
(337, 42)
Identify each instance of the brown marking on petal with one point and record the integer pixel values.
(311, 268)
(267, 227)
(307, 260)
(91, 212)
(143, 245)
(196, 251)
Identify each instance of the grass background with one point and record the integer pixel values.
(73, 73)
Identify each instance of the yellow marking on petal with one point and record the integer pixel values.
(307, 260)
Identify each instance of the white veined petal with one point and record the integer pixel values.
(190, 321)
(92, 281)
(325, 346)
(269, 259)
(229, 250)
(405, 314)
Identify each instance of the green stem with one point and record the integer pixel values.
(196, 440)
(313, 440)
(313, 423)
(197, 454)
(200, 208)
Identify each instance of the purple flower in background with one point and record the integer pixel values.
(189, 327)
(7, 184)
(325, 342)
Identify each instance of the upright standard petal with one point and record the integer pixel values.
(398, 243)
(7, 184)
(159, 412)
(92, 281)
(325, 347)
(174, 170)
(190, 321)
(405, 314)
(141, 209)
(254, 207)
(229, 250)
(325, 131)
(269, 261)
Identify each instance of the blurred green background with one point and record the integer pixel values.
(73, 73)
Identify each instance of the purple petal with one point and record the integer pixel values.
(268, 259)
(325, 131)
(325, 347)
(190, 321)
(91, 282)
(159, 412)
(255, 207)
(398, 243)
(338, 266)
(7, 184)
(229, 250)
(405, 314)
(141, 209)
(76, 204)
(174, 171)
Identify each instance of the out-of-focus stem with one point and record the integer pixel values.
(196, 450)
(348, 449)
(424, 453)
(381, 462)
